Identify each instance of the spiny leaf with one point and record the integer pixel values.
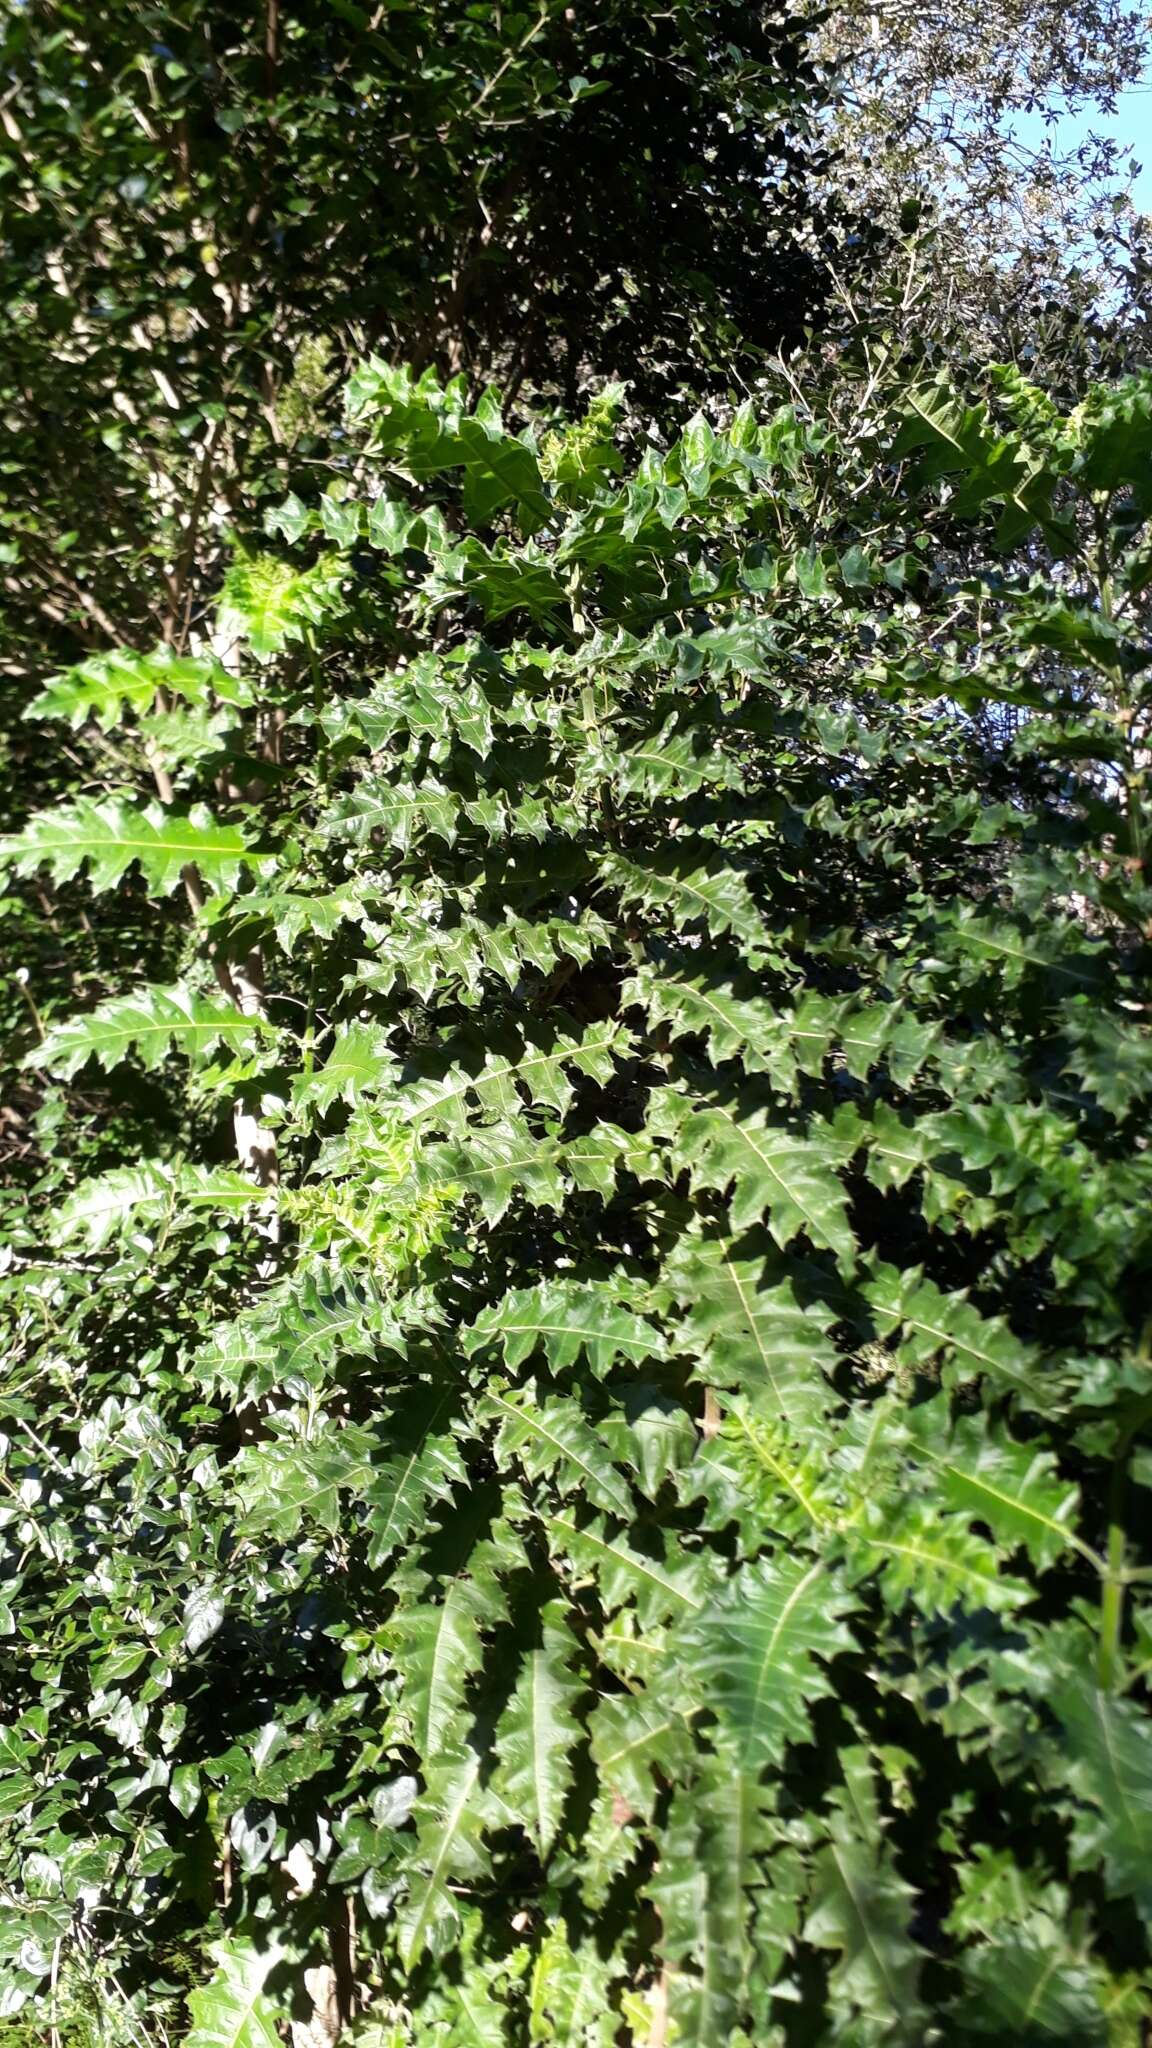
(1013, 1487)
(110, 834)
(111, 1202)
(569, 1995)
(449, 1850)
(863, 1909)
(500, 1160)
(693, 891)
(408, 952)
(399, 811)
(437, 1649)
(620, 1573)
(693, 998)
(151, 1023)
(306, 1329)
(712, 1875)
(744, 1322)
(267, 602)
(1029, 1984)
(753, 1655)
(360, 1063)
(441, 1103)
(694, 1001)
(754, 1472)
(551, 1437)
(1106, 1751)
(282, 1485)
(933, 1560)
(538, 1732)
(101, 686)
(406, 1486)
(634, 1736)
(474, 2013)
(772, 1173)
(933, 1324)
(669, 762)
(567, 1319)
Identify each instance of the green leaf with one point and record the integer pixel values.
(500, 471)
(538, 1732)
(437, 1650)
(108, 1203)
(498, 1083)
(932, 1324)
(862, 1909)
(400, 813)
(747, 1328)
(1029, 1985)
(498, 1161)
(754, 1471)
(468, 2014)
(408, 1485)
(359, 1064)
(666, 763)
(1108, 1762)
(621, 1573)
(152, 1023)
(753, 1656)
(552, 1436)
(284, 1485)
(934, 1560)
(449, 1852)
(569, 1995)
(699, 1005)
(638, 1741)
(693, 891)
(567, 1319)
(101, 687)
(725, 1932)
(769, 1172)
(110, 835)
(233, 2009)
(300, 1331)
(1013, 1487)
(268, 603)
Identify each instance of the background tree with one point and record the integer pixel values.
(1033, 252)
(208, 216)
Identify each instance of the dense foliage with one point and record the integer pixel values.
(209, 212)
(574, 1452)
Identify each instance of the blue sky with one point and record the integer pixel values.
(1131, 124)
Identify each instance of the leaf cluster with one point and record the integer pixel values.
(640, 1516)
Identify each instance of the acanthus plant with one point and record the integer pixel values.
(647, 1549)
